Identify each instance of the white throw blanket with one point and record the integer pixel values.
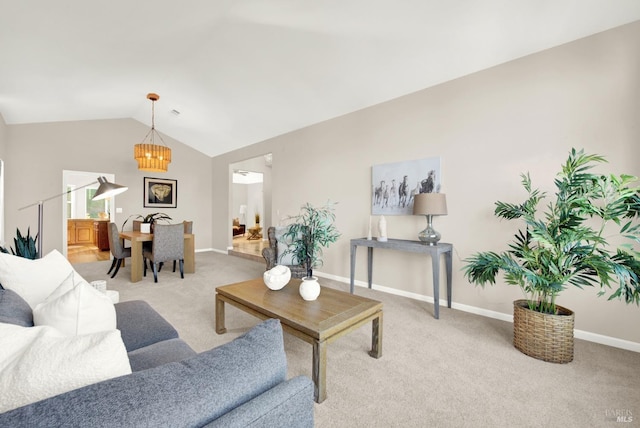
(40, 362)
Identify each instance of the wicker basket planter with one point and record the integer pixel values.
(543, 336)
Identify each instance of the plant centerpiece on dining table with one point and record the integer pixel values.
(312, 229)
(149, 218)
(567, 244)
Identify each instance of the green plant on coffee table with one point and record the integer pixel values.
(25, 246)
(311, 230)
(565, 244)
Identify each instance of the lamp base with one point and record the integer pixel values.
(429, 236)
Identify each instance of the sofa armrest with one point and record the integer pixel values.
(159, 353)
(191, 392)
(140, 325)
(289, 404)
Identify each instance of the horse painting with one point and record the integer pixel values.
(402, 192)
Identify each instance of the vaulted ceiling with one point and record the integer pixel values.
(231, 73)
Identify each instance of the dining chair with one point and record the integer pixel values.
(118, 251)
(136, 228)
(168, 244)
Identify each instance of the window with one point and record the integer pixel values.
(94, 208)
(91, 209)
(71, 202)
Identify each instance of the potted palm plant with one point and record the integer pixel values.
(565, 244)
(311, 230)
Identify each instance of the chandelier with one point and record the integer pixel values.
(151, 156)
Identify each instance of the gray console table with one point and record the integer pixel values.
(413, 246)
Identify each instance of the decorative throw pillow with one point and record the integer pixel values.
(284, 243)
(40, 362)
(76, 309)
(65, 286)
(14, 309)
(33, 280)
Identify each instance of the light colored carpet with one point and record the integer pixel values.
(459, 371)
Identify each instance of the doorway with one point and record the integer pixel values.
(250, 207)
(85, 222)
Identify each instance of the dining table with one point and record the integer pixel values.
(137, 238)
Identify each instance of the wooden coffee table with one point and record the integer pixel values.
(319, 322)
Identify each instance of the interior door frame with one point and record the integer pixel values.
(90, 176)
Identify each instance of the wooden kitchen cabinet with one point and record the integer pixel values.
(80, 231)
(101, 234)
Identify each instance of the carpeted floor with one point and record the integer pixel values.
(459, 371)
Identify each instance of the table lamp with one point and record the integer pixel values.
(429, 204)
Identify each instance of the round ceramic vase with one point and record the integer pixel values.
(277, 277)
(309, 288)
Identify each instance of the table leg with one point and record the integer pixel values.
(189, 254)
(320, 370)
(447, 260)
(370, 265)
(136, 260)
(376, 337)
(353, 267)
(220, 328)
(435, 263)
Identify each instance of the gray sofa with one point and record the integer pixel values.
(240, 384)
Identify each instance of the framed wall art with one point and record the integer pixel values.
(160, 193)
(394, 185)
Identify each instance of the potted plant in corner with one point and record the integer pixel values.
(565, 244)
(311, 230)
(26, 246)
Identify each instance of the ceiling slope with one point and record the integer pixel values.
(240, 72)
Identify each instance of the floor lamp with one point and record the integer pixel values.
(105, 190)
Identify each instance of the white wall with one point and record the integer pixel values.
(488, 127)
(239, 195)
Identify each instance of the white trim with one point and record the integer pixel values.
(579, 334)
(202, 250)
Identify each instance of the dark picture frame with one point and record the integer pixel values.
(160, 193)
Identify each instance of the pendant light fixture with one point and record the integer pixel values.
(151, 156)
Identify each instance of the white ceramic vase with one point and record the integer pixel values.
(382, 228)
(309, 288)
(277, 277)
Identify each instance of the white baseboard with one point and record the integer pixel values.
(579, 334)
(203, 250)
